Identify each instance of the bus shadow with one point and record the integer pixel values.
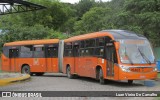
(124, 84)
(87, 79)
(111, 82)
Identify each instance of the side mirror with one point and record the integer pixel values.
(117, 45)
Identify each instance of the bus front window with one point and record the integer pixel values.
(136, 52)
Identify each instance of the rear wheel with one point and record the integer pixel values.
(130, 81)
(39, 74)
(101, 78)
(25, 69)
(69, 75)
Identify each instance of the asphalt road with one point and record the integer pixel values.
(59, 82)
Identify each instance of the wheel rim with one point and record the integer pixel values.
(68, 72)
(26, 71)
(101, 77)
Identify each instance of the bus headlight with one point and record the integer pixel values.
(125, 69)
(155, 69)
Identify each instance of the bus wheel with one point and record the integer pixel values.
(130, 81)
(101, 78)
(26, 69)
(69, 75)
(39, 74)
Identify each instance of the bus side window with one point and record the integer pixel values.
(38, 52)
(68, 45)
(68, 49)
(13, 53)
(55, 51)
(82, 44)
(101, 42)
(68, 53)
(90, 43)
(6, 51)
(82, 51)
(87, 52)
(52, 52)
(26, 51)
(99, 49)
(90, 47)
(76, 49)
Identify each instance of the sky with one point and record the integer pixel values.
(76, 1)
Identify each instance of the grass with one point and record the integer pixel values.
(158, 75)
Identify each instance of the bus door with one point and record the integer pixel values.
(51, 59)
(13, 55)
(39, 61)
(110, 56)
(76, 56)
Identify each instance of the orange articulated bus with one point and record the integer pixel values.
(109, 54)
(32, 57)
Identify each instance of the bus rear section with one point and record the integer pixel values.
(32, 57)
(110, 55)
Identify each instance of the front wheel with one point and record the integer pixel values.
(101, 78)
(69, 75)
(25, 69)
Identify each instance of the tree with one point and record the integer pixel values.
(53, 17)
(61, 19)
(94, 20)
(84, 6)
(145, 15)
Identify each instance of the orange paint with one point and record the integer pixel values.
(41, 64)
(86, 65)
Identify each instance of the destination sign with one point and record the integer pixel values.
(132, 41)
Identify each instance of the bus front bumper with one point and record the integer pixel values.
(137, 76)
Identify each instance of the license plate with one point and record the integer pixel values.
(135, 69)
(141, 69)
(142, 76)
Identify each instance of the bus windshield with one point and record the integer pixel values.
(136, 52)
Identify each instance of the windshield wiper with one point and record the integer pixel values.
(128, 57)
(143, 55)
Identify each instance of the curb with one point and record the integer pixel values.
(6, 81)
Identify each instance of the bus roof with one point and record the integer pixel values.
(32, 42)
(124, 34)
(114, 34)
(87, 36)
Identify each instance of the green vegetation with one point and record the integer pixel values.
(158, 75)
(62, 20)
